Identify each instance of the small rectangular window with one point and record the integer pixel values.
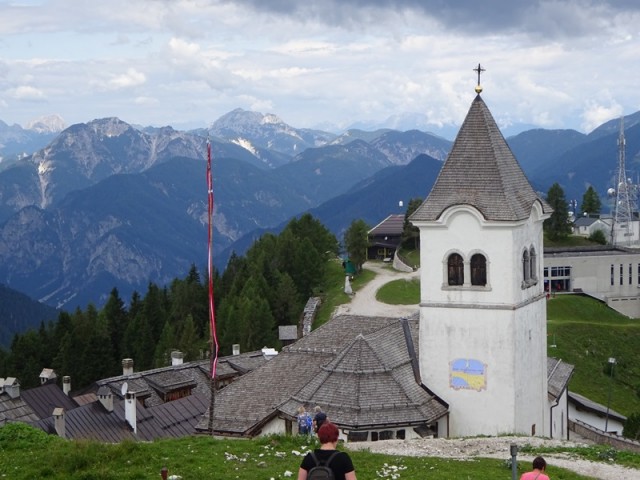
(621, 274)
(613, 274)
(630, 274)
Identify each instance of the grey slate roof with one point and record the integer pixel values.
(244, 406)
(558, 376)
(583, 403)
(371, 384)
(92, 422)
(33, 404)
(585, 221)
(150, 385)
(392, 225)
(44, 398)
(481, 171)
(15, 410)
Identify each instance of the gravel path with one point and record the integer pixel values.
(498, 447)
(364, 303)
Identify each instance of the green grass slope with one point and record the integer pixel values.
(587, 333)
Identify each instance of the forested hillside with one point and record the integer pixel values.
(258, 292)
(19, 313)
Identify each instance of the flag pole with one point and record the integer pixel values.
(212, 316)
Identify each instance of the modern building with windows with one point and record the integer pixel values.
(608, 273)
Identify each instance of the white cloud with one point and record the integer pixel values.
(547, 61)
(132, 78)
(26, 92)
(596, 114)
(146, 101)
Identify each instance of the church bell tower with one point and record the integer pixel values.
(482, 309)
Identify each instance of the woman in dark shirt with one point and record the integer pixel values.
(340, 464)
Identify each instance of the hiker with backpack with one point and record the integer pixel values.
(319, 418)
(304, 421)
(327, 463)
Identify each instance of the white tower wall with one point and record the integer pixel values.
(492, 336)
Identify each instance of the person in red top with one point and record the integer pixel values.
(539, 466)
(340, 464)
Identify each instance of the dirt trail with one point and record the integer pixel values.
(364, 301)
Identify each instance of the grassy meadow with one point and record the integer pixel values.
(27, 453)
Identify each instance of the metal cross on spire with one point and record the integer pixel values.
(479, 69)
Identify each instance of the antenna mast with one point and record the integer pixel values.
(621, 231)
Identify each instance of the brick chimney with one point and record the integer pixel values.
(59, 422)
(127, 366)
(66, 385)
(176, 358)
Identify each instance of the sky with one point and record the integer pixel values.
(320, 63)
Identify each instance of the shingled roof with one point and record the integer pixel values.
(558, 375)
(150, 385)
(481, 171)
(246, 405)
(371, 383)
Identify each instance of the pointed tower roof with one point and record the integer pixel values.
(481, 171)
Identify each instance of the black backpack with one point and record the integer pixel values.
(321, 471)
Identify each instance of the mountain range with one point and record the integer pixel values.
(106, 204)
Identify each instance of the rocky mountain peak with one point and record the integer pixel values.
(109, 127)
(46, 124)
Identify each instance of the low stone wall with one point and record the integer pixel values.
(399, 265)
(309, 314)
(601, 438)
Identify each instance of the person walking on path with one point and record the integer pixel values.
(319, 418)
(539, 466)
(304, 421)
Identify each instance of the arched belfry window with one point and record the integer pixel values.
(526, 273)
(455, 269)
(478, 270)
(533, 266)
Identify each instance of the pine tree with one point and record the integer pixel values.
(557, 226)
(167, 343)
(411, 234)
(116, 318)
(356, 241)
(591, 203)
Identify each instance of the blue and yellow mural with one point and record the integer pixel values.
(467, 373)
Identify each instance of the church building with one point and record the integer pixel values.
(483, 335)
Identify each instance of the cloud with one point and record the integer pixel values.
(27, 93)
(132, 78)
(142, 100)
(540, 17)
(548, 62)
(596, 114)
